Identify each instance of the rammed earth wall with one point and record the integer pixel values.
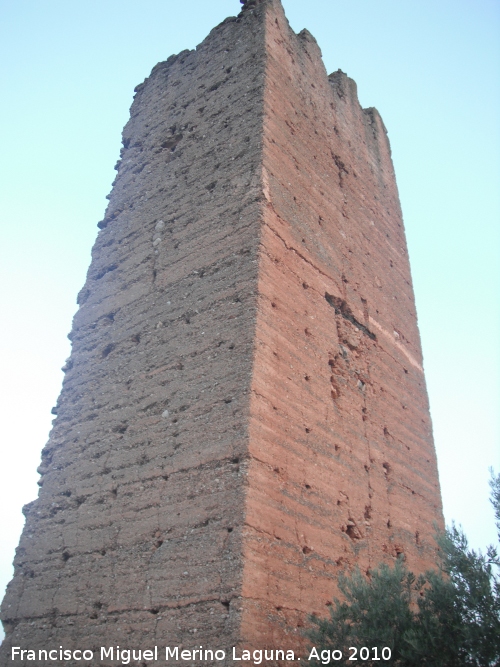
(244, 412)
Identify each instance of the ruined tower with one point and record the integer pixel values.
(244, 411)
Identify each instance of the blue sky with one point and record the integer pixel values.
(432, 68)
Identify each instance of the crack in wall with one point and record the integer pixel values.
(341, 308)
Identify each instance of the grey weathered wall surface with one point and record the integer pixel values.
(136, 533)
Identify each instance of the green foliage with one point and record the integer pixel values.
(445, 618)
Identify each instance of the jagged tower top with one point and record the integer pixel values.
(248, 4)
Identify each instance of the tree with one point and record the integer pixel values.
(448, 617)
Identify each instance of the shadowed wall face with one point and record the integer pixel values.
(136, 534)
(244, 412)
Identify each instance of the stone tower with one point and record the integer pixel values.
(244, 411)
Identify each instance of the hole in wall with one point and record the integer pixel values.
(353, 532)
(107, 350)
